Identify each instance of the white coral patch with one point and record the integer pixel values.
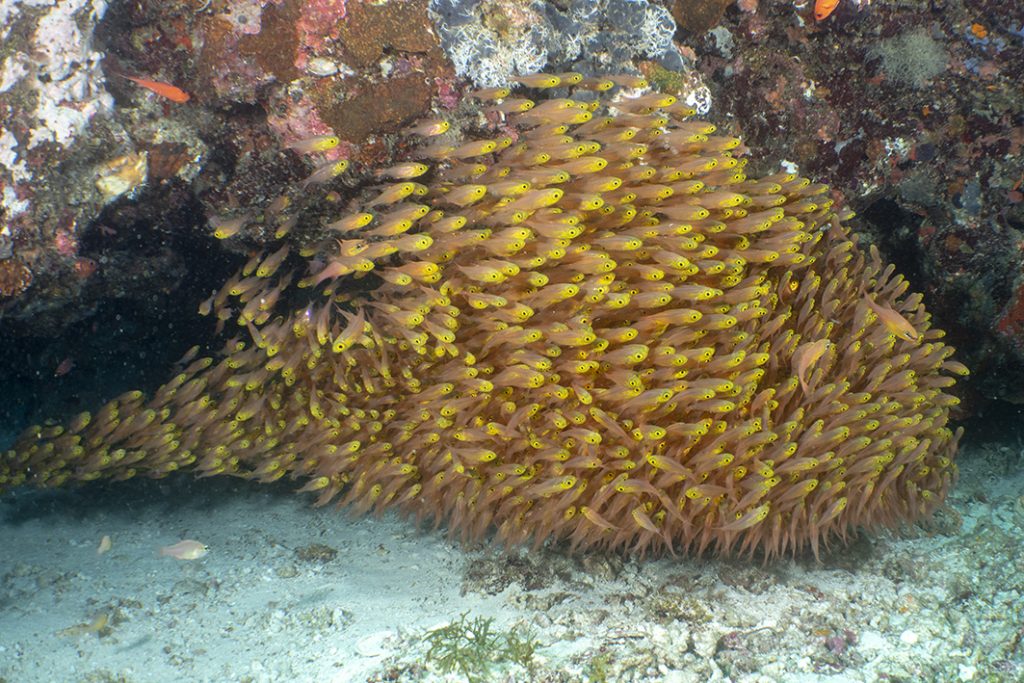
(67, 74)
(12, 71)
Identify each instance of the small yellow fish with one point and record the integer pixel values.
(424, 271)
(413, 242)
(430, 128)
(538, 80)
(581, 165)
(394, 193)
(807, 355)
(482, 273)
(450, 224)
(351, 333)
(224, 228)
(317, 143)
(280, 203)
(185, 550)
(745, 520)
(351, 247)
(535, 199)
(405, 171)
(490, 93)
(894, 322)
(553, 486)
(270, 264)
(512, 105)
(399, 220)
(352, 221)
(507, 188)
(652, 100)
(326, 172)
(628, 81)
(285, 227)
(464, 195)
(598, 84)
(596, 519)
(558, 115)
(474, 148)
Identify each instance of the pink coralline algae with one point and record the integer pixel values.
(301, 121)
(65, 243)
(313, 26)
(319, 24)
(244, 15)
(356, 70)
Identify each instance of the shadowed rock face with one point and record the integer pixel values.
(591, 326)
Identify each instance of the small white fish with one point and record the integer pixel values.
(185, 550)
(104, 546)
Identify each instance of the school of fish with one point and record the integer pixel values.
(588, 325)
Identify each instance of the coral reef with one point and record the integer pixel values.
(51, 90)
(698, 16)
(490, 42)
(258, 74)
(588, 325)
(51, 81)
(77, 142)
(380, 53)
(933, 172)
(15, 278)
(145, 173)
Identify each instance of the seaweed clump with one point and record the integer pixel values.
(472, 647)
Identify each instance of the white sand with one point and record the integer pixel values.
(939, 606)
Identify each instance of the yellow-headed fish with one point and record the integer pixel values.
(404, 171)
(805, 356)
(326, 172)
(893, 321)
(224, 228)
(394, 193)
(431, 128)
(317, 143)
(538, 80)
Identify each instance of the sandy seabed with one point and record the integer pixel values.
(292, 593)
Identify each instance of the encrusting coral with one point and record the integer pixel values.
(591, 327)
(15, 277)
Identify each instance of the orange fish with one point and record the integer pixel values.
(171, 92)
(65, 367)
(823, 8)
